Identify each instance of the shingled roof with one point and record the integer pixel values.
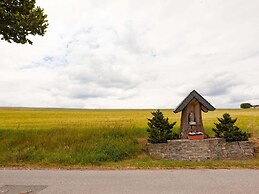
(206, 106)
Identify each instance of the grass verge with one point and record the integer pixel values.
(66, 147)
(144, 162)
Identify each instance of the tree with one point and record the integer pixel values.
(246, 105)
(20, 18)
(160, 130)
(226, 129)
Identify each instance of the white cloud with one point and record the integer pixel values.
(136, 54)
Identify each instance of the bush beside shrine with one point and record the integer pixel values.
(226, 129)
(160, 130)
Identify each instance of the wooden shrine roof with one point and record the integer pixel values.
(206, 106)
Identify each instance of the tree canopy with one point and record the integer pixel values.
(246, 105)
(20, 18)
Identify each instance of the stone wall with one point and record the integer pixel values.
(201, 150)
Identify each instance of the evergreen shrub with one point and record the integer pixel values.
(160, 130)
(226, 129)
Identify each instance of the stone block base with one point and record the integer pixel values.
(202, 150)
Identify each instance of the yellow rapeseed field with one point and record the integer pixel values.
(35, 119)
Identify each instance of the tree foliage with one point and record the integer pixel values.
(226, 129)
(20, 18)
(246, 105)
(160, 130)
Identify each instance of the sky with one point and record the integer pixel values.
(136, 54)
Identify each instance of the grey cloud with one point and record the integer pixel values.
(220, 84)
(108, 70)
(106, 79)
(92, 71)
(132, 39)
(222, 89)
(238, 98)
(245, 93)
(86, 93)
(251, 54)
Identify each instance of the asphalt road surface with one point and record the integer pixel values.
(129, 181)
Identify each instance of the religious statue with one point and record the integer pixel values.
(191, 118)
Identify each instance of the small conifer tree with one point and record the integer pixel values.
(160, 130)
(226, 129)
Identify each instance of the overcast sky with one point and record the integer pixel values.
(136, 54)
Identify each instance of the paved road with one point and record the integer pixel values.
(133, 181)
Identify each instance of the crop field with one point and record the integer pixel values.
(88, 137)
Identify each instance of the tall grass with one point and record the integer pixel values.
(67, 147)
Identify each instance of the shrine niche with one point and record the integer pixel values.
(191, 119)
